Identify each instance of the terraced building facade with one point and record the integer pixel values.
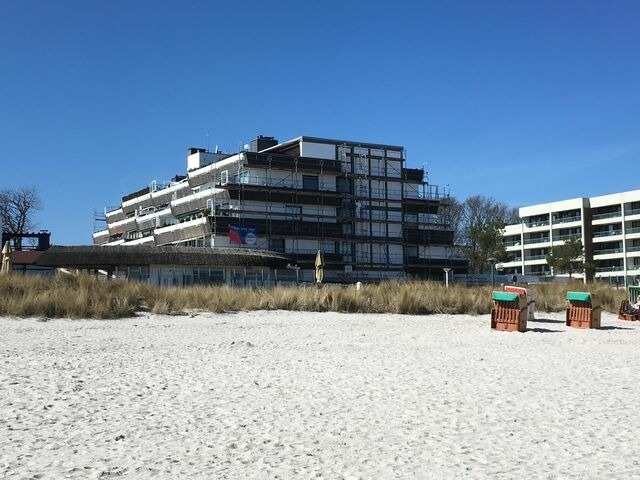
(373, 217)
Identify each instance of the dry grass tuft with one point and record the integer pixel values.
(83, 296)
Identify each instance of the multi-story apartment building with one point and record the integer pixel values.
(608, 225)
(373, 217)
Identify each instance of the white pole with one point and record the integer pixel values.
(446, 276)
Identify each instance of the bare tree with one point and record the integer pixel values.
(17, 206)
(481, 222)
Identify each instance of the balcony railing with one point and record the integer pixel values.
(607, 233)
(539, 272)
(633, 230)
(516, 259)
(263, 181)
(537, 223)
(633, 211)
(573, 218)
(535, 257)
(536, 240)
(607, 251)
(512, 243)
(570, 236)
(600, 216)
(609, 269)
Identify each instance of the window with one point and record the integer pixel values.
(410, 251)
(347, 228)
(276, 244)
(294, 212)
(346, 212)
(224, 177)
(207, 276)
(327, 246)
(344, 185)
(347, 250)
(243, 177)
(310, 182)
(222, 209)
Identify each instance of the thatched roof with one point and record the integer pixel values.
(141, 255)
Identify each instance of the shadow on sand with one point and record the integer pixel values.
(543, 330)
(546, 320)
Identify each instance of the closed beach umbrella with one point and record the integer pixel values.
(6, 258)
(319, 266)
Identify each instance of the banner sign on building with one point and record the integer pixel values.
(242, 235)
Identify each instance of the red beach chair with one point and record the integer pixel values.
(509, 312)
(583, 310)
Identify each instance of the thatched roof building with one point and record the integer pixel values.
(94, 257)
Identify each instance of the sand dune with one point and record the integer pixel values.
(318, 395)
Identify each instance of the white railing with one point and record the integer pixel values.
(573, 218)
(607, 233)
(601, 216)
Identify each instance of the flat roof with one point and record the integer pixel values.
(330, 141)
(139, 255)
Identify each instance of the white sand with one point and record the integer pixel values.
(318, 395)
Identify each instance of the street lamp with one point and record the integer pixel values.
(297, 269)
(446, 276)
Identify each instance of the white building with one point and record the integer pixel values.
(373, 217)
(608, 225)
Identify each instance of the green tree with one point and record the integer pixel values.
(479, 230)
(568, 257)
(17, 206)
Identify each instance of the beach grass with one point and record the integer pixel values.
(84, 296)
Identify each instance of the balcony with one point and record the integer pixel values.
(532, 241)
(570, 236)
(609, 269)
(572, 218)
(607, 251)
(426, 192)
(122, 225)
(114, 212)
(607, 233)
(135, 195)
(196, 228)
(538, 271)
(537, 223)
(633, 211)
(513, 261)
(101, 237)
(602, 216)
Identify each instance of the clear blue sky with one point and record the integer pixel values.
(522, 101)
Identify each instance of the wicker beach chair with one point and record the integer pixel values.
(509, 312)
(625, 312)
(583, 310)
(529, 295)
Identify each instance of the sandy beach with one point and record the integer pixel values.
(318, 395)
